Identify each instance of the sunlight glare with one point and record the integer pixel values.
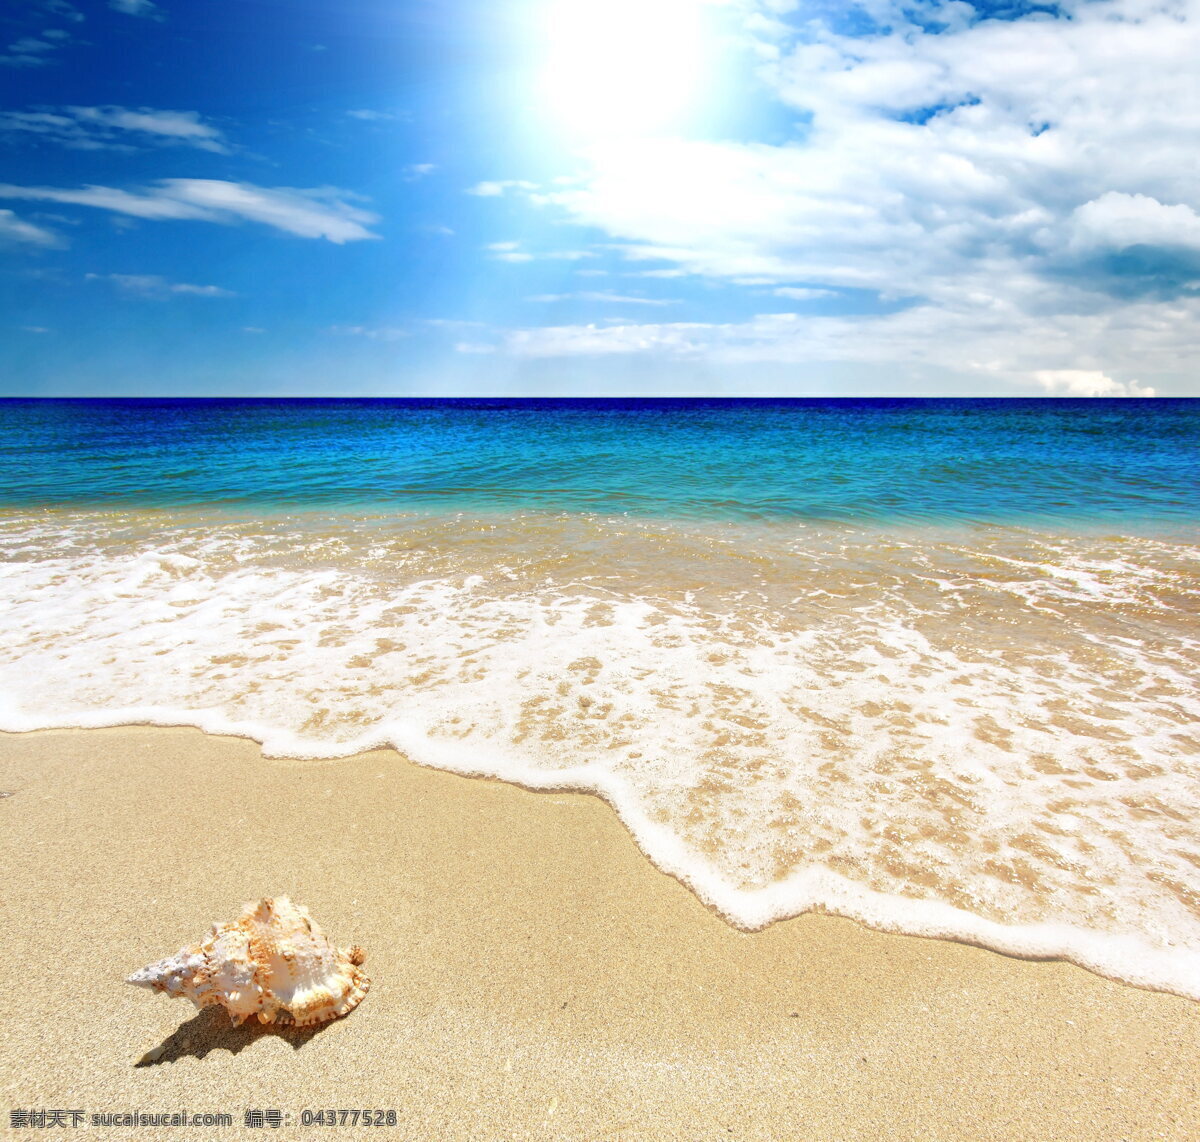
(624, 67)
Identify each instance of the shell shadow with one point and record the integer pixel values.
(211, 1030)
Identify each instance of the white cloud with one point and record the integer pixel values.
(35, 329)
(495, 189)
(608, 340)
(369, 116)
(30, 51)
(1077, 354)
(63, 10)
(1088, 383)
(316, 213)
(508, 252)
(182, 125)
(602, 295)
(802, 294)
(514, 256)
(195, 290)
(512, 252)
(474, 347)
(371, 333)
(114, 128)
(980, 171)
(1122, 220)
(778, 214)
(152, 285)
(253, 329)
(14, 229)
(452, 323)
(419, 170)
(144, 8)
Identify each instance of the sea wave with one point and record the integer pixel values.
(983, 733)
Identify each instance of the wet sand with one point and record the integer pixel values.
(533, 976)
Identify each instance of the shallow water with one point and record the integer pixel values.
(951, 720)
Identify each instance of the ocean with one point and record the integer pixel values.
(929, 664)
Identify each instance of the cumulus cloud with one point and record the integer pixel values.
(113, 128)
(993, 173)
(1119, 221)
(1088, 383)
(316, 213)
(14, 229)
(152, 285)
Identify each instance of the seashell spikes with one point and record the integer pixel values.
(273, 961)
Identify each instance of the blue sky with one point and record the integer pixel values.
(634, 196)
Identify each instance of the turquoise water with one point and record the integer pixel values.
(934, 665)
(1095, 462)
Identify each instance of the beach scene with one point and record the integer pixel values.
(928, 666)
(613, 571)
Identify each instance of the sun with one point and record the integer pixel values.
(624, 67)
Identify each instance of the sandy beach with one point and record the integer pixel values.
(533, 976)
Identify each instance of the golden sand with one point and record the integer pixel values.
(533, 976)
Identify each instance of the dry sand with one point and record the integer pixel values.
(533, 975)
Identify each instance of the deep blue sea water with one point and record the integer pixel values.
(1095, 462)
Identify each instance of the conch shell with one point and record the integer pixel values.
(272, 961)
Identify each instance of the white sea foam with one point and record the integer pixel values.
(989, 737)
